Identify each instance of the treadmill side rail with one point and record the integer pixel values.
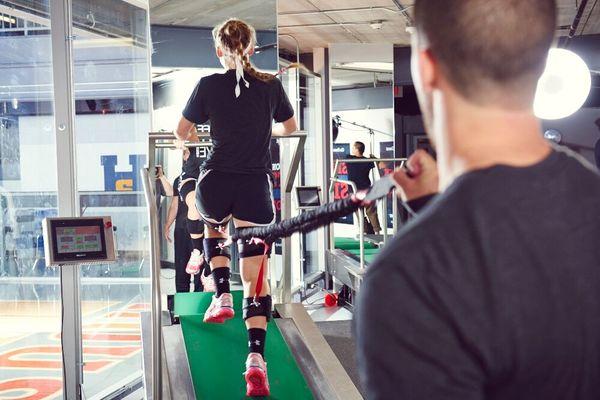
(330, 367)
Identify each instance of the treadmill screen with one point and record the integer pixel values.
(78, 239)
(308, 197)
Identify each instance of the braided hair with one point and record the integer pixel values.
(237, 40)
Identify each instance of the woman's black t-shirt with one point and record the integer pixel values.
(240, 127)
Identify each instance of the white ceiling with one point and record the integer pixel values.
(317, 23)
(207, 13)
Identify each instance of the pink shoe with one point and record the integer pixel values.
(220, 309)
(195, 262)
(257, 382)
(208, 283)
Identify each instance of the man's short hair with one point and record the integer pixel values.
(486, 45)
(360, 146)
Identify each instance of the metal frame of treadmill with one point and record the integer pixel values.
(320, 366)
(339, 264)
(282, 290)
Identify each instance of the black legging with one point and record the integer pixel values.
(183, 249)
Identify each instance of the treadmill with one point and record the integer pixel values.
(194, 360)
(347, 258)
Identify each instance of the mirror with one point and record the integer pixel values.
(362, 110)
(183, 52)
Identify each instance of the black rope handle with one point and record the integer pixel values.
(305, 222)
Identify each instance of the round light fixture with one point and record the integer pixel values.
(563, 87)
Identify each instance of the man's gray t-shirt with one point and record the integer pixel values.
(493, 292)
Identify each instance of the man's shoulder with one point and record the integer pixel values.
(429, 230)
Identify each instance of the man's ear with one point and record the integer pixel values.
(428, 70)
(219, 52)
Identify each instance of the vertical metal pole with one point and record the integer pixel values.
(384, 225)
(68, 202)
(155, 284)
(395, 212)
(361, 238)
(286, 250)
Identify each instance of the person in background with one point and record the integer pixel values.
(182, 241)
(359, 174)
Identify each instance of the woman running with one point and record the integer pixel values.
(235, 180)
(190, 170)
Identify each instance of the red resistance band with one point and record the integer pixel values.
(261, 271)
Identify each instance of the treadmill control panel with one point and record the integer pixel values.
(83, 240)
(308, 196)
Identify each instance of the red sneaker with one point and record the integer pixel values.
(220, 309)
(257, 382)
(195, 262)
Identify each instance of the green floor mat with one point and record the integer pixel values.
(349, 243)
(217, 352)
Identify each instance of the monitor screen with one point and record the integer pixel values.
(308, 197)
(78, 239)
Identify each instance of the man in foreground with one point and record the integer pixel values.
(493, 291)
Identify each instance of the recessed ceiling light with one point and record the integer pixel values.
(376, 25)
(369, 66)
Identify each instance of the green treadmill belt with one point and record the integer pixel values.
(349, 243)
(370, 254)
(217, 353)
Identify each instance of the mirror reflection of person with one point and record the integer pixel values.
(183, 244)
(359, 173)
(236, 182)
(492, 291)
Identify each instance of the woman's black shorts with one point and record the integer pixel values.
(221, 196)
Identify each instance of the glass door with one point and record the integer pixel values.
(30, 296)
(112, 120)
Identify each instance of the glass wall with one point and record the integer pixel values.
(305, 97)
(111, 83)
(112, 117)
(30, 347)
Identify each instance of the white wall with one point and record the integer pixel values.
(379, 119)
(97, 135)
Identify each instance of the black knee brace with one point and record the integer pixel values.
(247, 249)
(195, 227)
(212, 249)
(260, 309)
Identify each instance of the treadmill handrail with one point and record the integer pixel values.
(361, 222)
(156, 369)
(166, 140)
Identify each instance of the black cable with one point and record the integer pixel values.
(588, 17)
(305, 222)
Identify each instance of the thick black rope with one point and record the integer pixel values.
(305, 222)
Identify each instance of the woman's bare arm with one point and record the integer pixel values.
(285, 128)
